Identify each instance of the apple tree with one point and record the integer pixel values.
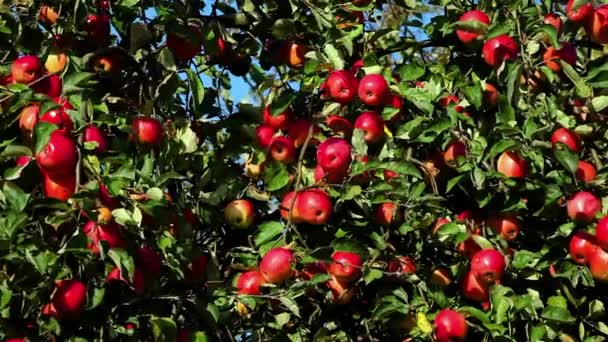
(316, 170)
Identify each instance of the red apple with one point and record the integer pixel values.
(473, 289)
(597, 25)
(109, 233)
(389, 175)
(490, 95)
(581, 246)
(343, 293)
(453, 152)
(276, 265)
(396, 102)
(439, 223)
(585, 171)
(468, 247)
(147, 130)
(240, 213)
(28, 118)
(554, 20)
(488, 265)
(361, 3)
(402, 264)
(70, 297)
(334, 155)
(60, 187)
(510, 164)
(289, 201)
(598, 265)
(346, 266)
(499, 49)
(92, 133)
(388, 214)
(149, 260)
(264, 135)
(279, 121)
(139, 281)
(249, 283)
(298, 132)
(59, 156)
(467, 37)
(601, 233)
(282, 149)
(52, 86)
(373, 90)
(60, 118)
(567, 137)
(372, 125)
(567, 54)
(507, 225)
(321, 176)
(340, 125)
(197, 269)
(580, 14)
(98, 27)
(465, 215)
(342, 86)
(26, 69)
(583, 206)
(106, 198)
(313, 206)
(450, 326)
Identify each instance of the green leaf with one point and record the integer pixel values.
(599, 103)
(16, 197)
(283, 27)
(291, 305)
(276, 176)
(196, 88)
(431, 133)
(334, 56)
(164, 329)
(280, 104)
(566, 157)
(501, 146)
(165, 58)
(12, 151)
(42, 135)
(582, 88)
(558, 314)
(371, 275)
(411, 72)
(267, 232)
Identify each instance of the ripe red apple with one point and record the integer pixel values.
(580, 14)
(98, 27)
(567, 137)
(106, 198)
(264, 135)
(596, 25)
(147, 130)
(149, 260)
(465, 215)
(321, 176)
(507, 225)
(109, 233)
(598, 265)
(512, 165)
(389, 175)
(601, 233)
(138, 283)
(240, 213)
(26, 69)
(580, 247)
(59, 117)
(249, 283)
(276, 265)
(488, 265)
(567, 54)
(282, 149)
(372, 125)
(342, 86)
(373, 90)
(334, 155)
(92, 133)
(313, 206)
(467, 37)
(298, 132)
(70, 297)
(468, 247)
(361, 3)
(197, 269)
(583, 206)
(59, 156)
(402, 264)
(454, 151)
(585, 171)
(23, 160)
(107, 64)
(279, 121)
(499, 49)
(388, 214)
(554, 20)
(60, 187)
(394, 101)
(28, 118)
(288, 201)
(340, 125)
(343, 293)
(450, 326)
(52, 86)
(346, 266)
(474, 289)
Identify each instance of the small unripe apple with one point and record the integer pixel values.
(147, 131)
(580, 14)
(450, 326)
(276, 265)
(388, 214)
(264, 135)
(70, 297)
(585, 171)
(567, 137)
(92, 133)
(279, 121)
(26, 69)
(346, 266)
(334, 155)
(373, 90)
(510, 164)
(583, 206)
(240, 213)
(372, 125)
(499, 49)
(454, 151)
(59, 156)
(282, 149)
(340, 125)
(601, 233)
(580, 247)
(467, 37)
(249, 283)
(488, 265)
(342, 86)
